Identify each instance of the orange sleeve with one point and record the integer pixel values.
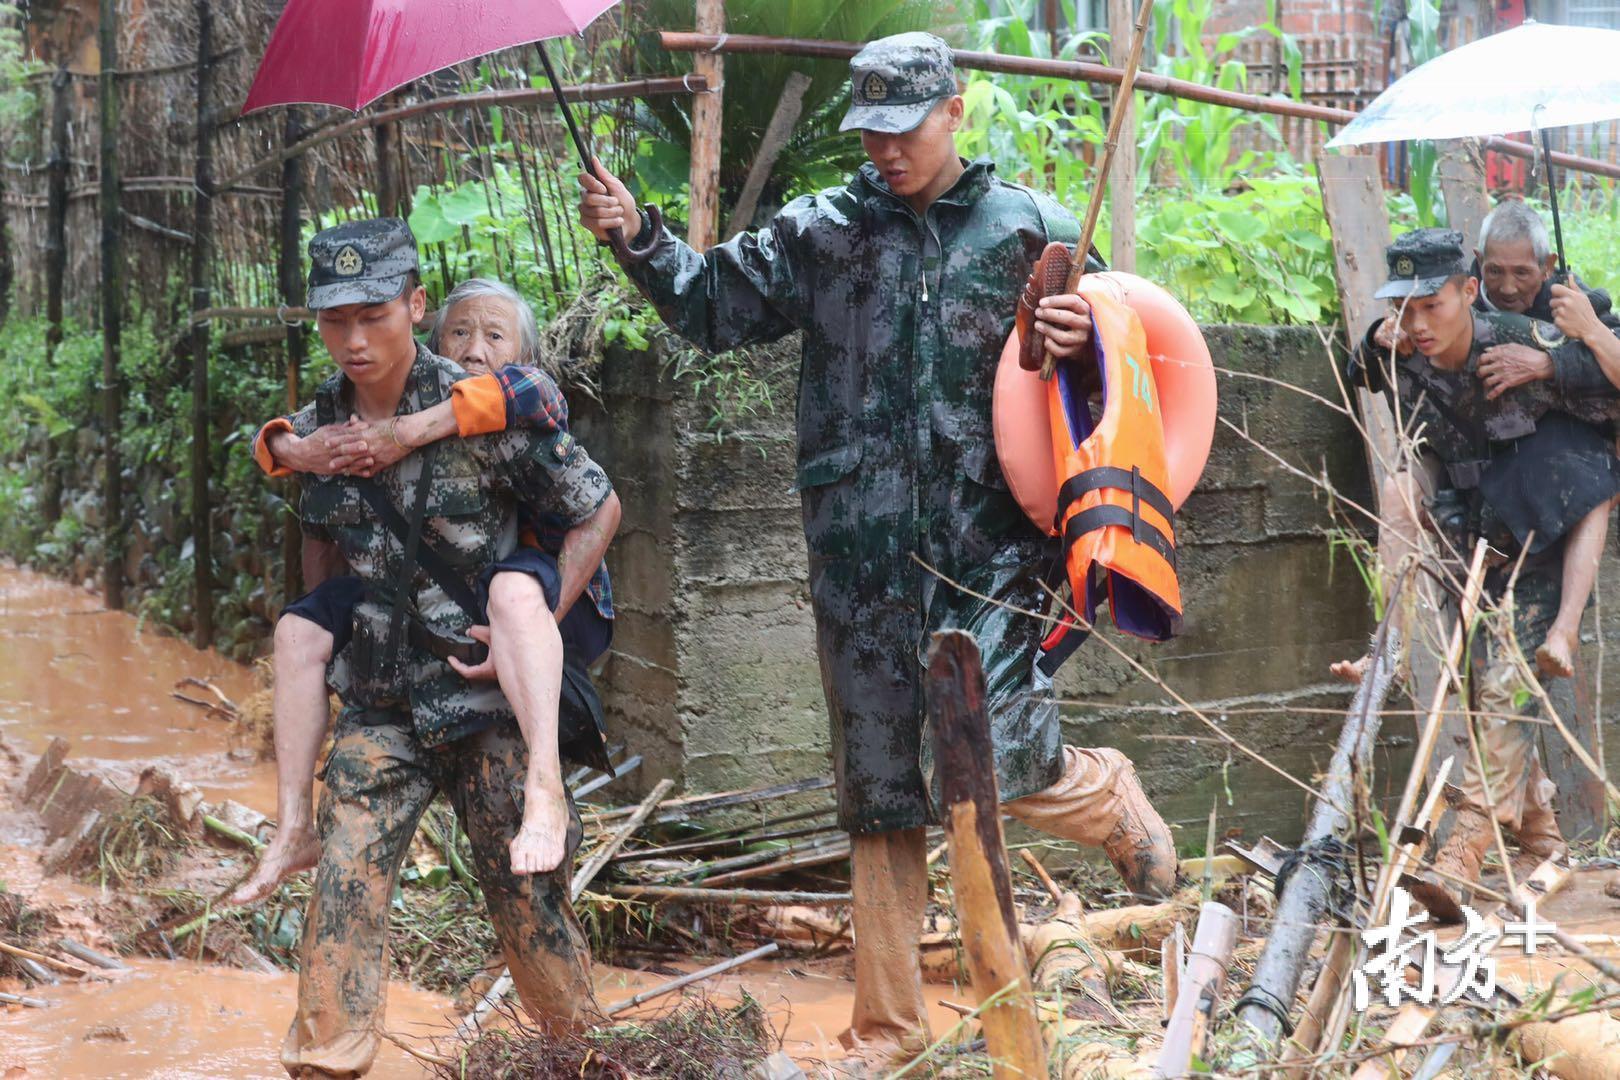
(479, 404)
(261, 447)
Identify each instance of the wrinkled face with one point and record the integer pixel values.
(1442, 325)
(1511, 275)
(371, 341)
(911, 162)
(481, 334)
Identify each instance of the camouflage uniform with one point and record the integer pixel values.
(1524, 467)
(902, 316)
(412, 727)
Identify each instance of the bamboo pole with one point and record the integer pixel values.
(630, 88)
(682, 41)
(750, 897)
(386, 135)
(704, 227)
(1122, 204)
(40, 958)
(1302, 904)
(687, 980)
(771, 145)
(56, 213)
(202, 235)
(980, 876)
(112, 299)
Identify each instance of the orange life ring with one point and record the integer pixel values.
(1182, 370)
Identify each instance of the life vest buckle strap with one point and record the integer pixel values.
(1101, 477)
(1100, 517)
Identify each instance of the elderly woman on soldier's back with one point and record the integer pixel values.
(488, 329)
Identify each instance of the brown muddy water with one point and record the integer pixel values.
(102, 680)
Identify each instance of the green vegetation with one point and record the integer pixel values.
(1226, 220)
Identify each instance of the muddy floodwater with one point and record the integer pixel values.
(102, 681)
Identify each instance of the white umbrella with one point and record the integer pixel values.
(1530, 78)
(1533, 76)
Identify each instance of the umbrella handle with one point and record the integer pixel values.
(622, 248)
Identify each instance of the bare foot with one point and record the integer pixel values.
(1556, 656)
(290, 851)
(1351, 671)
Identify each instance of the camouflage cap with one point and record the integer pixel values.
(895, 82)
(1421, 261)
(360, 262)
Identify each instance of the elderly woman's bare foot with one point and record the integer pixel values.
(1350, 671)
(290, 850)
(1556, 656)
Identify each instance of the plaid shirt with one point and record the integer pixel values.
(534, 401)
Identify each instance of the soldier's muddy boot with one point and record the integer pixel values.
(1539, 838)
(1099, 802)
(1463, 838)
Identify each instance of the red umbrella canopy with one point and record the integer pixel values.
(349, 53)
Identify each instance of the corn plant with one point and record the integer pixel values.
(1033, 128)
(1193, 142)
(1423, 41)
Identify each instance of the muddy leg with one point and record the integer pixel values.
(890, 882)
(540, 935)
(1582, 549)
(1099, 802)
(376, 790)
(300, 710)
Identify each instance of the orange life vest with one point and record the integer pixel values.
(1113, 509)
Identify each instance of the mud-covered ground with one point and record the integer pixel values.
(104, 682)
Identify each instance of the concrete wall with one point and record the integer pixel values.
(713, 677)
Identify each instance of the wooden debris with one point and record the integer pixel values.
(687, 980)
(980, 875)
(1039, 871)
(1583, 1047)
(1193, 1015)
(726, 896)
(40, 958)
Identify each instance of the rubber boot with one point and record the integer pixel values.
(1539, 836)
(1467, 836)
(889, 1021)
(1099, 802)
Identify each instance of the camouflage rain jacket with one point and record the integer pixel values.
(471, 517)
(1540, 455)
(903, 317)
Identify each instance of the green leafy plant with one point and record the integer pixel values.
(1195, 143)
(1031, 127)
(1262, 254)
(817, 155)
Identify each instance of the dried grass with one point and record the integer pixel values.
(697, 1040)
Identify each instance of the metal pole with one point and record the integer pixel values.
(1552, 197)
(112, 298)
(202, 238)
(292, 293)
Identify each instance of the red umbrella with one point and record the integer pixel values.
(349, 53)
